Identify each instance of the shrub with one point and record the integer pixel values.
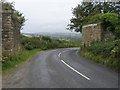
(106, 48)
(44, 43)
(105, 52)
(111, 22)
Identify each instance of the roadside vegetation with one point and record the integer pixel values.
(30, 46)
(106, 52)
(9, 62)
(45, 42)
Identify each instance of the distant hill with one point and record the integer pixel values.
(70, 36)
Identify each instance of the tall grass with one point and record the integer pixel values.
(105, 52)
(11, 61)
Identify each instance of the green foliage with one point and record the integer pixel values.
(30, 43)
(83, 12)
(105, 52)
(18, 19)
(44, 43)
(111, 22)
(103, 48)
(112, 63)
(46, 38)
(92, 19)
(115, 52)
(9, 62)
(110, 17)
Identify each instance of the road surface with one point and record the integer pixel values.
(60, 68)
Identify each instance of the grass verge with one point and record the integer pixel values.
(112, 63)
(16, 59)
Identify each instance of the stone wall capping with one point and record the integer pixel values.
(90, 25)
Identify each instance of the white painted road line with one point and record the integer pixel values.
(75, 70)
(59, 54)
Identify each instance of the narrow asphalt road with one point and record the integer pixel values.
(60, 68)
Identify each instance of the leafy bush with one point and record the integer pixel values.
(105, 52)
(105, 48)
(102, 47)
(112, 63)
(92, 19)
(46, 38)
(111, 22)
(44, 43)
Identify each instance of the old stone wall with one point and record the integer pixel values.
(94, 32)
(0, 31)
(10, 35)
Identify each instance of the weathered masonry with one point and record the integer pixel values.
(94, 32)
(0, 46)
(10, 34)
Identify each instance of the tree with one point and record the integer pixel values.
(79, 13)
(87, 9)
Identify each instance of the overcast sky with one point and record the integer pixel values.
(46, 15)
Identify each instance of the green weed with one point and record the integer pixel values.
(14, 59)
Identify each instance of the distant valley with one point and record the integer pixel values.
(69, 36)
